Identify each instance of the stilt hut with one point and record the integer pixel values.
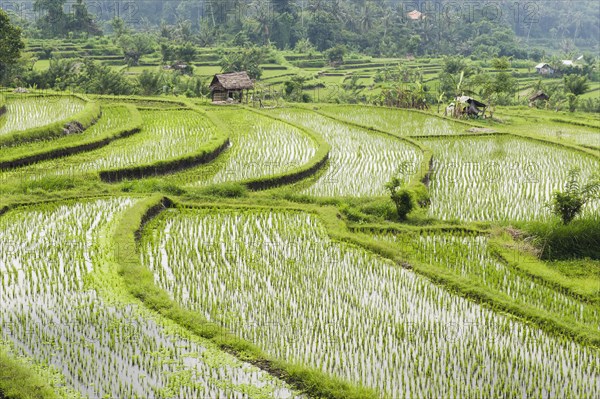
(230, 87)
(468, 106)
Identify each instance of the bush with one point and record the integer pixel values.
(401, 196)
(380, 208)
(568, 204)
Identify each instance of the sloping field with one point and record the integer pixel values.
(500, 178)
(360, 162)
(55, 266)
(24, 113)
(277, 280)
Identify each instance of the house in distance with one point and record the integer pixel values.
(230, 87)
(544, 69)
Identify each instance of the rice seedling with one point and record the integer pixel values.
(28, 112)
(468, 256)
(360, 162)
(260, 146)
(276, 279)
(60, 308)
(165, 135)
(500, 178)
(397, 121)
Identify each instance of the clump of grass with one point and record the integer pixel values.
(19, 382)
(227, 190)
(557, 241)
(151, 186)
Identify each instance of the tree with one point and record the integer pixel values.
(10, 44)
(401, 197)
(118, 27)
(568, 203)
(54, 23)
(150, 82)
(248, 60)
(82, 21)
(294, 89)
(57, 23)
(135, 46)
(576, 84)
(336, 54)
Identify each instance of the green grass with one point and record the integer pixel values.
(18, 381)
(357, 295)
(360, 162)
(165, 136)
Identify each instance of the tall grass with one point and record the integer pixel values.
(557, 241)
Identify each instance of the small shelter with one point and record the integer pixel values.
(228, 86)
(468, 106)
(544, 69)
(537, 96)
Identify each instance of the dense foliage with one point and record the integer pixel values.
(10, 44)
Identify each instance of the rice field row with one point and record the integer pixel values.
(396, 121)
(500, 178)
(276, 279)
(112, 118)
(51, 312)
(260, 146)
(360, 162)
(586, 136)
(24, 113)
(164, 136)
(468, 256)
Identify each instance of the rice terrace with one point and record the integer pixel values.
(299, 199)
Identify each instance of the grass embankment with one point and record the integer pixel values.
(565, 256)
(140, 282)
(19, 381)
(86, 117)
(53, 149)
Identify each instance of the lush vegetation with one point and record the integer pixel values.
(330, 296)
(393, 239)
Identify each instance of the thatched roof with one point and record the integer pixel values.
(539, 95)
(232, 81)
(469, 100)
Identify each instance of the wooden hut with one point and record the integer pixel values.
(544, 69)
(228, 86)
(537, 96)
(468, 106)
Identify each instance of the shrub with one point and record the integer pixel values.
(568, 204)
(401, 196)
